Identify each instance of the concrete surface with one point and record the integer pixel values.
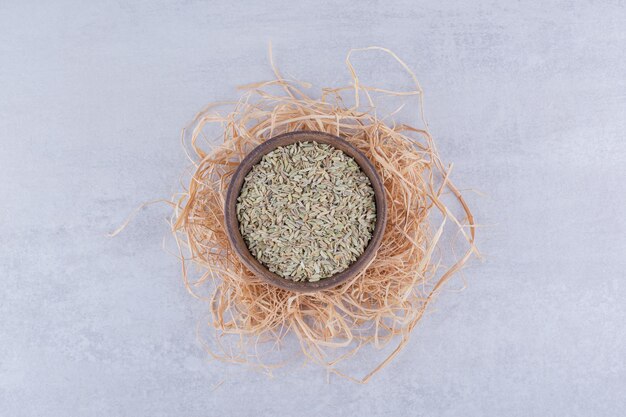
(528, 99)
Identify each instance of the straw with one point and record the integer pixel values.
(380, 306)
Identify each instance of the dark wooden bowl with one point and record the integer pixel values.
(232, 224)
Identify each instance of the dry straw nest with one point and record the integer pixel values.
(248, 318)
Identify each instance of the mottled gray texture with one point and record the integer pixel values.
(527, 98)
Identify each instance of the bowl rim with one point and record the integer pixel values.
(238, 244)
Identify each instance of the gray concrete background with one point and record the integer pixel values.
(528, 99)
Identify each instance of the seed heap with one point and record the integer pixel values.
(306, 211)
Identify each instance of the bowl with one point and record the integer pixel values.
(232, 223)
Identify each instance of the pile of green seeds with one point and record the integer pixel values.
(306, 211)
